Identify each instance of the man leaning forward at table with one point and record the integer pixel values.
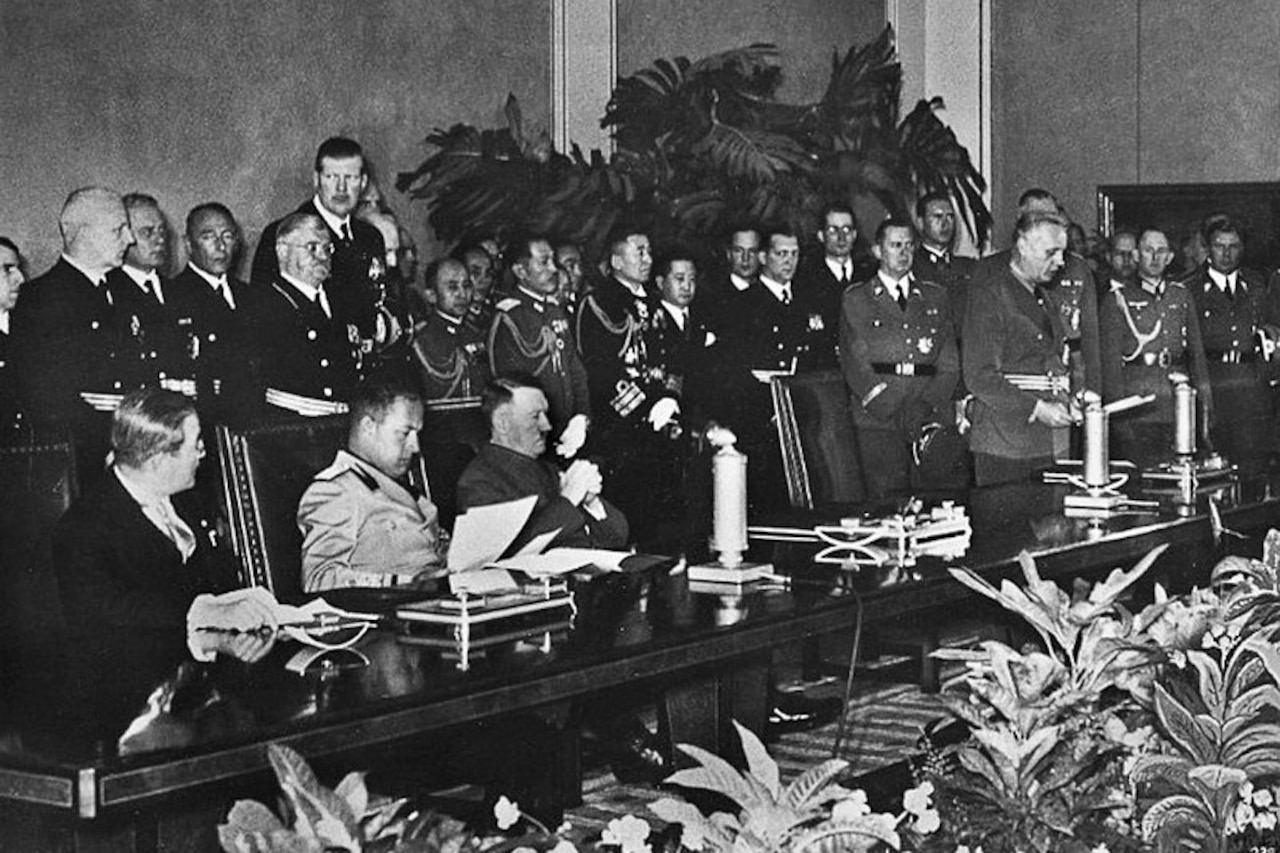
(362, 522)
(134, 555)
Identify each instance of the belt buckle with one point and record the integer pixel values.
(1149, 358)
(906, 369)
(1165, 358)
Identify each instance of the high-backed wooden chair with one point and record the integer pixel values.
(819, 445)
(452, 434)
(37, 485)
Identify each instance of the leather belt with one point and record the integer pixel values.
(354, 577)
(1231, 356)
(1163, 359)
(1043, 382)
(903, 368)
(1073, 344)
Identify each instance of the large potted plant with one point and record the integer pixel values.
(701, 144)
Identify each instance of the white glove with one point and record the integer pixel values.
(661, 413)
(573, 437)
(580, 481)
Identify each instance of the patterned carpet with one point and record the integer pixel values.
(884, 723)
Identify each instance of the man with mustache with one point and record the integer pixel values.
(340, 177)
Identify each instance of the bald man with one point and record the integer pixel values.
(64, 349)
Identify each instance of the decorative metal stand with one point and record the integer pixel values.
(1188, 475)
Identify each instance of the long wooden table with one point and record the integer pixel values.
(87, 763)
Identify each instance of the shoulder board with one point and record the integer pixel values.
(855, 285)
(507, 304)
(337, 469)
(1181, 284)
(924, 282)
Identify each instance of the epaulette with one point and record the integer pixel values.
(1181, 284)
(507, 304)
(924, 282)
(337, 469)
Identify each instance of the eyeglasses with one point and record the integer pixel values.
(843, 230)
(317, 249)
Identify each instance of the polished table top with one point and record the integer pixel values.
(141, 718)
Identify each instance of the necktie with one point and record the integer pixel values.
(844, 274)
(902, 297)
(224, 290)
(786, 294)
(323, 301)
(176, 529)
(106, 292)
(346, 232)
(153, 288)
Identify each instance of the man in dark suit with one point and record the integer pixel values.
(935, 259)
(210, 304)
(717, 294)
(511, 466)
(1014, 357)
(900, 360)
(64, 348)
(144, 311)
(132, 554)
(303, 348)
(358, 249)
(12, 278)
(827, 275)
(1233, 323)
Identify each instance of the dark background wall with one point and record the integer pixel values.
(1131, 91)
(225, 99)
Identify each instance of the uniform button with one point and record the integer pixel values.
(328, 392)
(93, 325)
(212, 337)
(311, 334)
(324, 362)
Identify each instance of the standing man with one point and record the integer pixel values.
(1015, 355)
(143, 304)
(1237, 336)
(1150, 329)
(530, 334)
(12, 278)
(828, 276)
(1122, 260)
(635, 397)
(212, 302)
(305, 358)
(358, 249)
(935, 258)
(742, 254)
(450, 355)
(63, 344)
(900, 360)
(362, 522)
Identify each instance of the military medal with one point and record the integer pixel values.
(925, 345)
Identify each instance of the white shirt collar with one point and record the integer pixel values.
(903, 284)
(1224, 281)
(739, 283)
(145, 280)
(4, 322)
(838, 266)
(97, 275)
(938, 255)
(335, 224)
(141, 495)
(636, 290)
(309, 291)
(214, 281)
(777, 288)
(449, 319)
(680, 315)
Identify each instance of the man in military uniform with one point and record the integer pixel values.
(358, 250)
(1122, 260)
(935, 259)
(1150, 329)
(212, 303)
(12, 278)
(63, 331)
(900, 360)
(531, 334)
(450, 355)
(362, 523)
(143, 303)
(1237, 335)
(305, 357)
(480, 269)
(635, 398)
(1014, 357)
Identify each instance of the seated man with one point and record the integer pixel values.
(132, 553)
(511, 466)
(362, 524)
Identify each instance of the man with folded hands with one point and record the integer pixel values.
(135, 557)
(511, 466)
(362, 522)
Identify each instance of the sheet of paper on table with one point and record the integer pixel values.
(559, 561)
(482, 582)
(482, 534)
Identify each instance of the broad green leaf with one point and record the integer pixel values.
(810, 783)
(1171, 768)
(1182, 729)
(715, 774)
(1211, 686)
(1215, 776)
(353, 792)
(759, 763)
(1172, 810)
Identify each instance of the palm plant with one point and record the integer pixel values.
(701, 144)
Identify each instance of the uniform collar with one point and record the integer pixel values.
(334, 223)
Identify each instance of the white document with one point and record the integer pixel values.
(482, 534)
(559, 561)
(482, 582)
